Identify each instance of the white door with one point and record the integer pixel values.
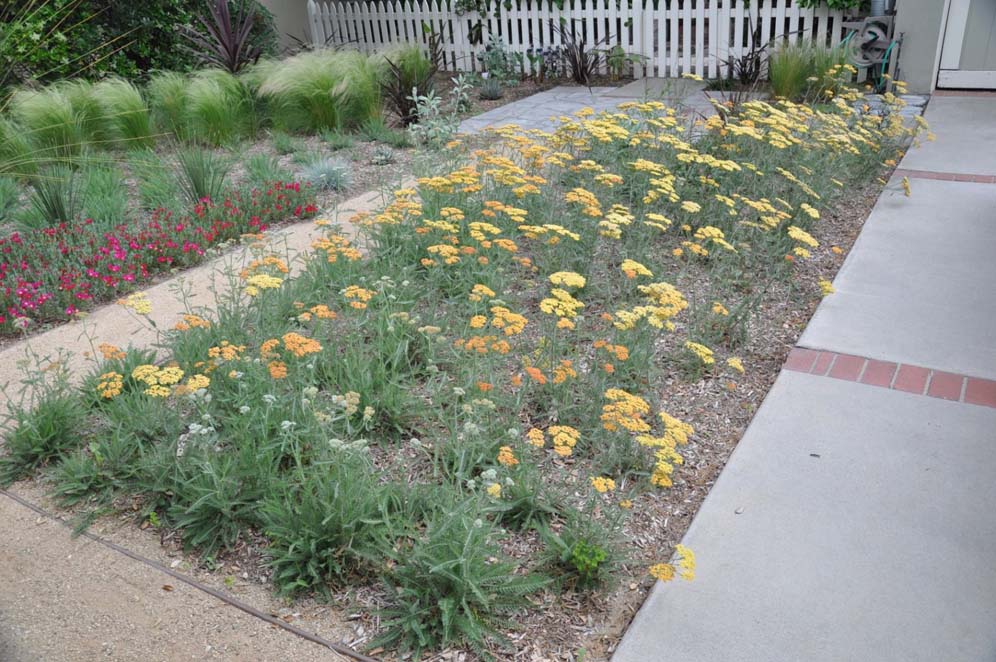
(968, 55)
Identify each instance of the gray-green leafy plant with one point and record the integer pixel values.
(327, 174)
(327, 525)
(40, 434)
(491, 90)
(447, 588)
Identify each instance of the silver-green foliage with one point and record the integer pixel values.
(328, 174)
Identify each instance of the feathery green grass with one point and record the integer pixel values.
(321, 90)
(16, 157)
(167, 94)
(799, 71)
(50, 123)
(124, 113)
(219, 108)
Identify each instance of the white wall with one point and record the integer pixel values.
(291, 18)
(920, 23)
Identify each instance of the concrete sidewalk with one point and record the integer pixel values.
(855, 520)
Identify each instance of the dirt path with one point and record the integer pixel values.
(64, 598)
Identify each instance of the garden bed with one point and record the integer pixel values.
(530, 381)
(81, 199)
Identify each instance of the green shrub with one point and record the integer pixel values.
(53, 39)
(327, 526)
(42, 433)
(321, 89)
(201, 174)
(448, 589)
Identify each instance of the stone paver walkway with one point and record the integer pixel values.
(540, 110)
(855, 520)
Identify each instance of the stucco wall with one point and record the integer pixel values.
(291, 17)
(919, 21)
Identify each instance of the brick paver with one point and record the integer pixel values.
(885, 374)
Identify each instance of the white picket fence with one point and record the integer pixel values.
(673, 36)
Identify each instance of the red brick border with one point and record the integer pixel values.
(896, 376)
(945, 176)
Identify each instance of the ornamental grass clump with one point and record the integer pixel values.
(49, 123)
(327, 174)
(321, 89)
(493, 391)
(201, 174)
(219, 108)
(168, 102)
(124, 114)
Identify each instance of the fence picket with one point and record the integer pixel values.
(712, 43)
(794, 37)
(661, 15)
(697, 36)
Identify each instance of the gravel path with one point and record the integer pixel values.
(64, 598)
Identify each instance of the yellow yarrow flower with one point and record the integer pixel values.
(568, 279)
(704, 353)
(602, 484)
(632, 269)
